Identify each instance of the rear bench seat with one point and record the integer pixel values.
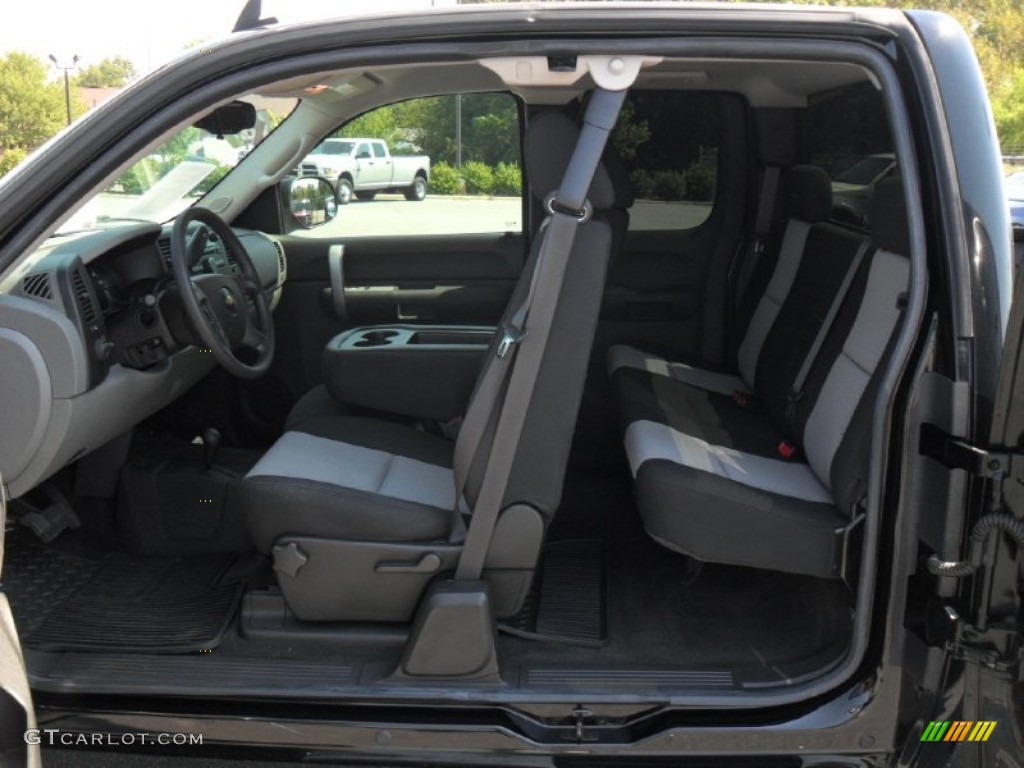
(741, 468)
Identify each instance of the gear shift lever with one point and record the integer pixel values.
(211, 445)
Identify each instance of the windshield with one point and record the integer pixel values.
(176, 174)
(333, 148)
(1015, 186)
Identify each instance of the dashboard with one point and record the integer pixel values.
(94, 339)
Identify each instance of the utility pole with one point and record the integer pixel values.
(67, 81)
(458, 131)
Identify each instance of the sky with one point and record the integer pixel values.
(150, 33)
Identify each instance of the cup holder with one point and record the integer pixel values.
(375, 339)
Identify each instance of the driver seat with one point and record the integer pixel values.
(359, 514)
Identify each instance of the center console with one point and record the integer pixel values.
(427, 372)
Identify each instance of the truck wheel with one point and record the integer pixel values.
(418, 190)
(344, 191)
(366, 196)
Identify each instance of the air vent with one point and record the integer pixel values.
(164, 246)
(232, 258)
(38, 286)
(83, 297)
(282, 263)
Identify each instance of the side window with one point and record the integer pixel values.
(847, 134)
(669, 141)
(363, 151)
(455, 169)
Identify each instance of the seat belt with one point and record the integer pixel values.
(762, 228)
(796, 391)
(524, 339)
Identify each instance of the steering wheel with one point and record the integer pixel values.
(228, 312)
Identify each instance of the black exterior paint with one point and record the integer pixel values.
(865, 721)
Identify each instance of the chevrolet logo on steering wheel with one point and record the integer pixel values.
(229, 299)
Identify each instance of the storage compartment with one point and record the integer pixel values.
(427, 372)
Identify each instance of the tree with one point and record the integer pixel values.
(109, 73)
(31, 107)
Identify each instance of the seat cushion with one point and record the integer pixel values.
(710, 481)
(709, 416)
(622, 356)
(714, 518)
(353, 478)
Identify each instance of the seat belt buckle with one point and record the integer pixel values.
(786, 449)
(792, 401)
(510, 338)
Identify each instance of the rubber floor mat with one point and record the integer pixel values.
(121, 603)
(567, 602)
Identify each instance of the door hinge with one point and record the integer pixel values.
(996, 648)
(995, 465)
(958, 453)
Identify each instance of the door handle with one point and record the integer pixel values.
(336, 265)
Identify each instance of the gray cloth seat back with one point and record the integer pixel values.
(539, 467)
(834, 420)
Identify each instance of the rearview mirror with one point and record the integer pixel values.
(312, 201)
(229, 119)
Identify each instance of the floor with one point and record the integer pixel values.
(737, 624)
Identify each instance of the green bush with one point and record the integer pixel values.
(508, 180)
(643, 184)
(479, 178)
(218, 173)
(700, 183)
(668, 185)
(445, 180)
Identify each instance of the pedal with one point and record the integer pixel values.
(52, 520)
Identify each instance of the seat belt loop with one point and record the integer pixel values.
(511, 336)
(748, 260)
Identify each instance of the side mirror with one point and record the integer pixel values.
(311, 201)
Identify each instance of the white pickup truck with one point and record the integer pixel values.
(364, 167)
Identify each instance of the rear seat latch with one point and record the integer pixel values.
(582, 715)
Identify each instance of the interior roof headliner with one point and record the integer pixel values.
(764, 83)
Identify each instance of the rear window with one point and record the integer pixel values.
(847, 133)
(669, 141)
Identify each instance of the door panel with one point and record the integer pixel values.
(457, 279)
(656, 290)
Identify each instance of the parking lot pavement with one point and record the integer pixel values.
(393, 215)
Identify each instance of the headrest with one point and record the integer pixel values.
(807, 192)
(550, 139)
(889, 227)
